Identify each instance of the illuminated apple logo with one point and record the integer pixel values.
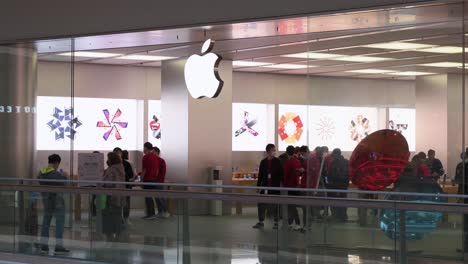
(201, 73)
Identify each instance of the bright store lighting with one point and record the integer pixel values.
(444, 49)
(312, 55)
(371, 71)
(145, 57)
(444, 64)
(410, 73)
(248, 63)
(398, 45)
(288, 66)
(361, 59)
(90, 54)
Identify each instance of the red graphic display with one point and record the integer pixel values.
(379, 160)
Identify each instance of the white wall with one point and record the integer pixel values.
(91, 80)
(431, 115)
(314, 90)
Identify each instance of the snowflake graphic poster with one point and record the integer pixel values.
(101, 124)
(403, 120)
(252, 126)
(341, 127)
(292, 125)
(154, 122)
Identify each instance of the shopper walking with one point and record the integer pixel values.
(129, 175)
(112, 213)
(54, 205)
(270, 174)
(150, 173)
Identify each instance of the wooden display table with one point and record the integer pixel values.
(241, 182)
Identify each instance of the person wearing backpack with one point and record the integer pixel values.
(338, 179)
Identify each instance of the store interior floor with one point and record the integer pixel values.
(231, 239)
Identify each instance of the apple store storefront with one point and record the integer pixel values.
(212, 98)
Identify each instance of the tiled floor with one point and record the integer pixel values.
(231, 239)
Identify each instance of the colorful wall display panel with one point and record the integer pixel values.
(252, 126)
(340, 127)
(92, 124)
(154, 122)
(292, 125)
(403, 120)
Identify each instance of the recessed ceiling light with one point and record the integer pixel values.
(312, 55)
(444, 64)
(410, 73)
(361, 59)
(288, 66)
(145, 57)
(90, 54)
(444, 49)
(398, 45)
(371, 71)
(248, 63)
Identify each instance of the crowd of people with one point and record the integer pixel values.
(298, 168)
(115, 209)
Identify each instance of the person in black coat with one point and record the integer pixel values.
(270, 174)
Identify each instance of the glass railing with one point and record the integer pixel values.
(220, 224)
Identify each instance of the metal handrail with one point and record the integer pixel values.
(249, 198)
(236, 187)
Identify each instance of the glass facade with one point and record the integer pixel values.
(377, 96)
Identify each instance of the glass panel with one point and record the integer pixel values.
(9, 222)
(135, 239)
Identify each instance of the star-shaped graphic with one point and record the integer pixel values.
(247, 125)
(64, 123)
(112, 124)
(325, 128)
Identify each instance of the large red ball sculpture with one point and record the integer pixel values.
(379, 160)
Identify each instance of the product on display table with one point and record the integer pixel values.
(378, 160)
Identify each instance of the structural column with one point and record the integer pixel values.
(439, 118)
(197, 132)
(18, 75)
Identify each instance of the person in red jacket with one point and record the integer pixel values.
(292, 173)
(150, 173)
(160, 202)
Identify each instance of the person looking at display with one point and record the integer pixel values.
(314, 174)
(303, 155)
(419, 162)
(54, 205)
(150, 174)
(292, 171)
(129, 174)
(338, 179)
(160, 202)
(434, 164)
(270, 174)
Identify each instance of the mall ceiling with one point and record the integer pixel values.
(389, 43)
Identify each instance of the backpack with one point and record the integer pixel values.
(338, 173)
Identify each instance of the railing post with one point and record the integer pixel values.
(403, 256)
